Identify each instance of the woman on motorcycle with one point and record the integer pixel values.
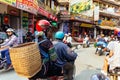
(9, 42)
(45, 47)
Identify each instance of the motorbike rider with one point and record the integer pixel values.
(112, 60)
(9, 42)
(45, 45)
(86, 40)
(101, 42)
(66, 56)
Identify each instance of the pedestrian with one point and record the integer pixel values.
(29, 36)
(9, 42)
(66, 56)
(69, 40)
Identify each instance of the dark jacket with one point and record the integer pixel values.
(65, 54)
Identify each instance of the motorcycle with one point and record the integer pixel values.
(86, 44)
(101, 48)
(3, 64)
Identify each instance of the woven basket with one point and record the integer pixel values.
(26, 59)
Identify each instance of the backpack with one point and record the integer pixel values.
(47, 60)
(50, 56)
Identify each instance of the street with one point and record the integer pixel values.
(87, 64)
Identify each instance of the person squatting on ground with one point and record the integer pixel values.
(9, 42)
(113, 59)
(66, 56)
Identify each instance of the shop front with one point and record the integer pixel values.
(82, 26)
(106, 27)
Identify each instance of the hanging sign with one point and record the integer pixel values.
(28, 5)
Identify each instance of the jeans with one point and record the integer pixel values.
(5, 54)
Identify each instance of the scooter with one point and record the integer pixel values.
(86, 44)
(3, 64)
(100, 50)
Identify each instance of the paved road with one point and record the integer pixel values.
(87, 64)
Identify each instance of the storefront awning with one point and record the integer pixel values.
(86, 25)
(107, 27)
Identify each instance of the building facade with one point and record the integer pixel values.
(22, 15)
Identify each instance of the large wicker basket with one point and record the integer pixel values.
(26, 59)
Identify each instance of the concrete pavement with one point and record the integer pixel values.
(87, 64)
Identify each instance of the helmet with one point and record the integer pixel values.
(10, 29)
(42, 25)
(59, 35)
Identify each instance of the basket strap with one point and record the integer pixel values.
(41, 41)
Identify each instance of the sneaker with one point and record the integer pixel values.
(103, 72)
(9, 67)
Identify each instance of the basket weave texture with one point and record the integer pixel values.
(26, 59)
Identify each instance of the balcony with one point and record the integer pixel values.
(109, 14)
(113, 2)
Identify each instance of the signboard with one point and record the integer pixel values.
(28, 5)
(82, 7)
(9, 2)
(96, 13)
(86, 25)
(46, 14)
(25, 20)
(43, 12)
(107, 23)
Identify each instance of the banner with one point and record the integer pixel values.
(82, 7)
(9, 2)
(96, 13)
(107, 23)
(28, 5)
